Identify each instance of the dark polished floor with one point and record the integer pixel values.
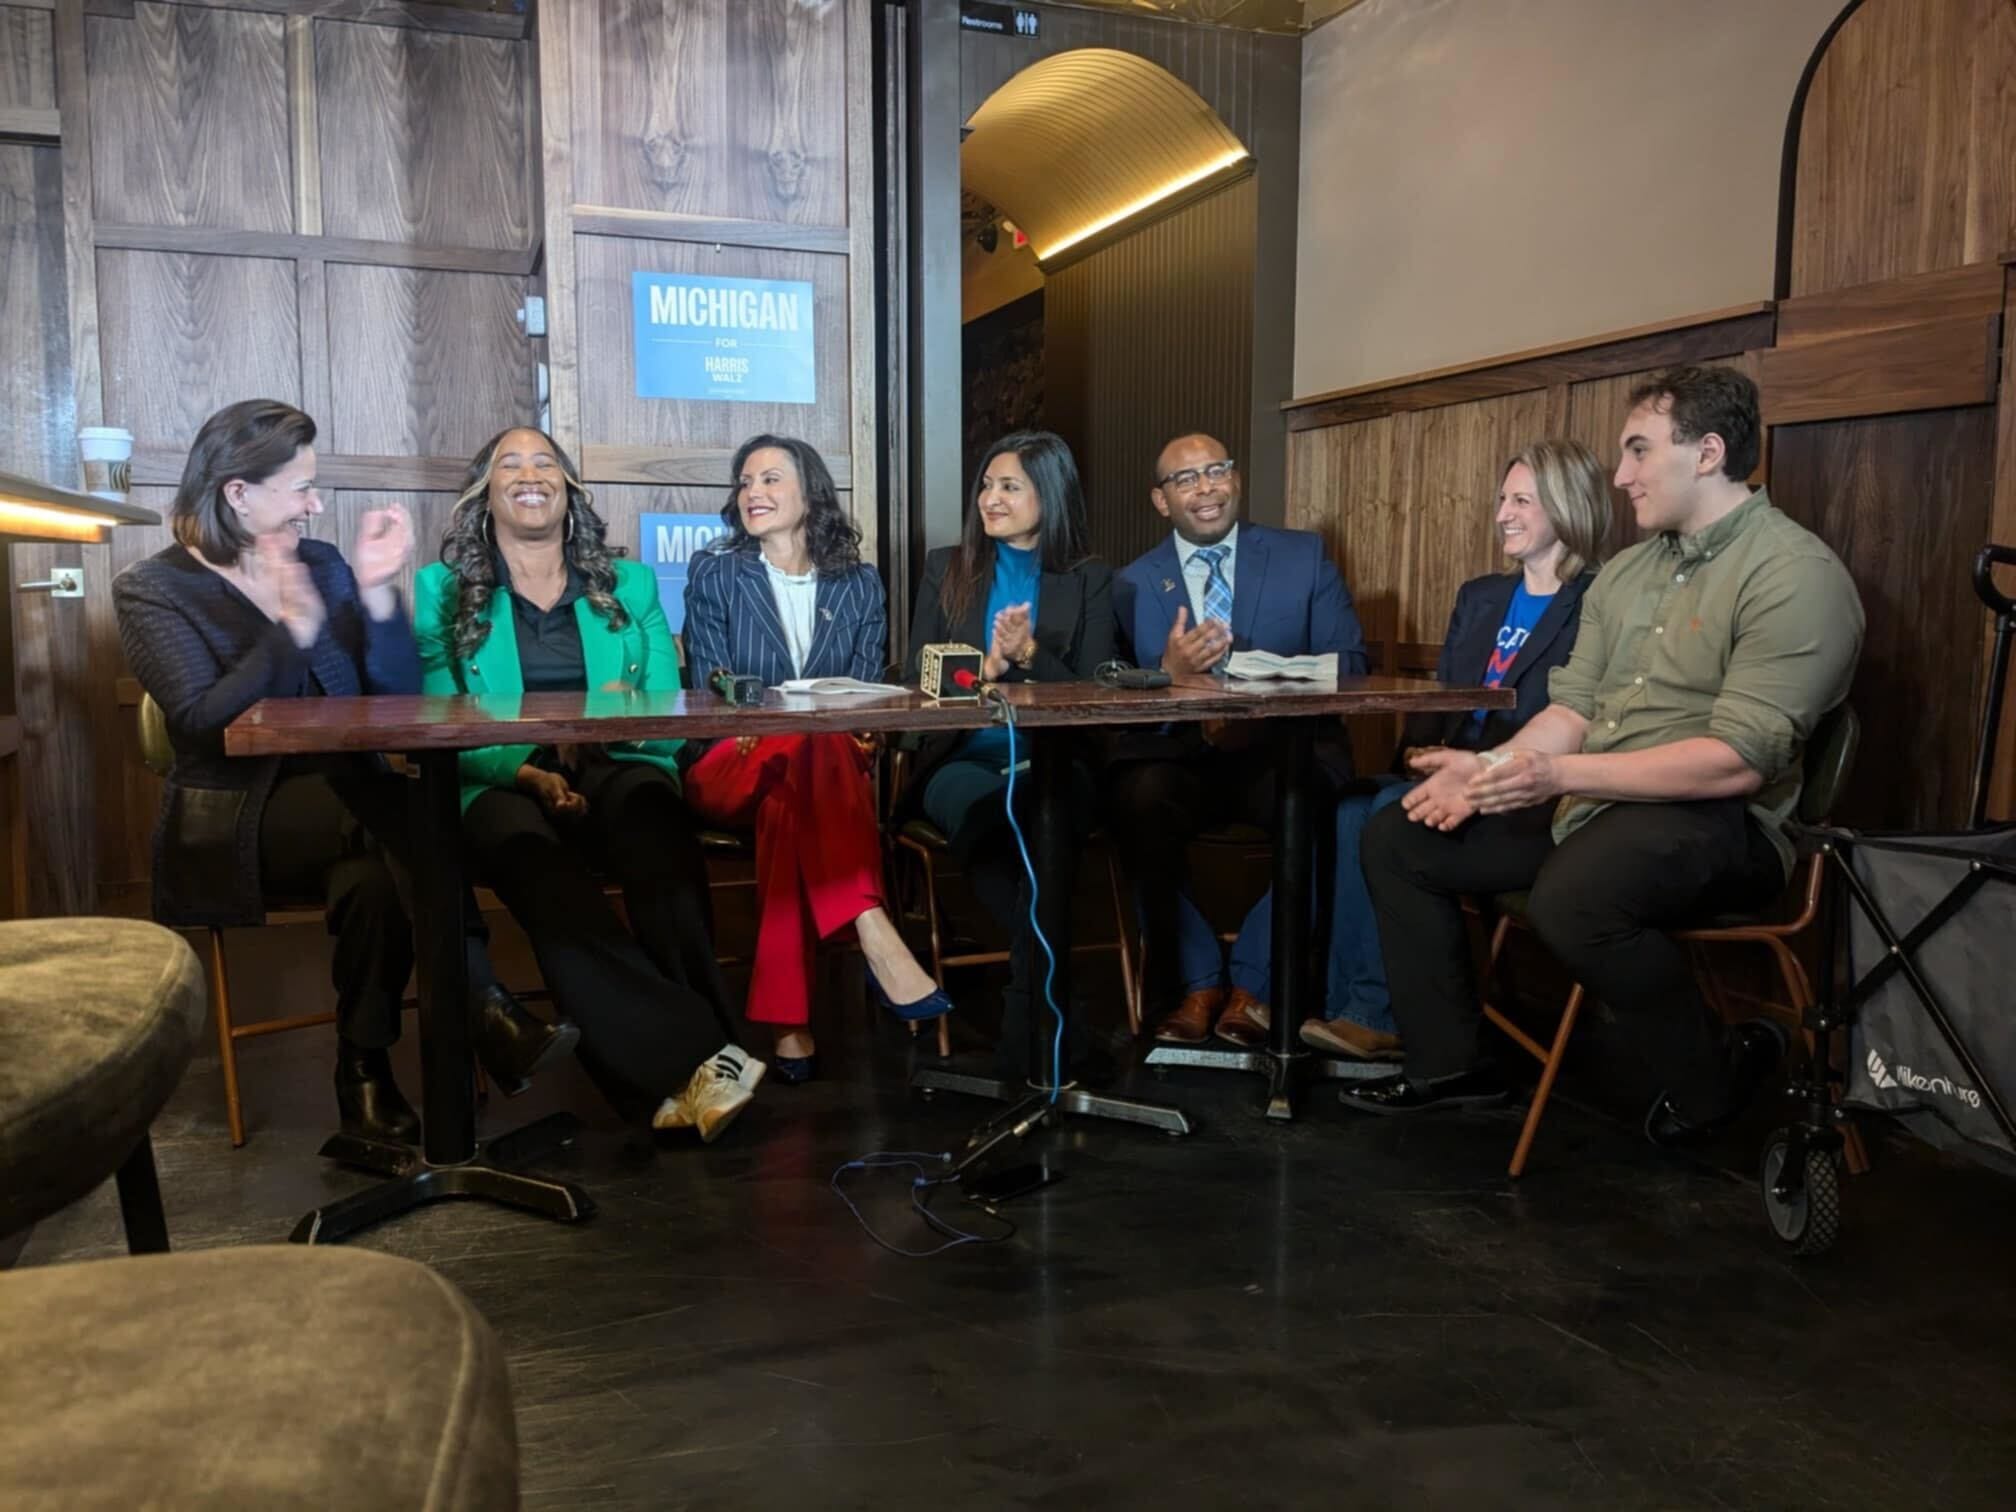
(1342, 1312)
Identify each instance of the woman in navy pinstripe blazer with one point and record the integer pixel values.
(785, 594)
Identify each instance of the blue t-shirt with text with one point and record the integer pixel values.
(1520, 617)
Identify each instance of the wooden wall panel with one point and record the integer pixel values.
(183, 335)
(27, 59)
(37, 416)
(343, 508)
(189, 120)
(424, 137)
(1903, 499)
(1905, 156)
(612, 414)
(423, 364)
(1147, 339)
(712, 107)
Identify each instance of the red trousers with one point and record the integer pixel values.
(818, 851)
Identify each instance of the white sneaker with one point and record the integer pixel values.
(721, 1088)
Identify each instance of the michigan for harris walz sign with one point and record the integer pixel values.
(746, 339)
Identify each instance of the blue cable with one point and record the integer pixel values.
(1050, 976)
(920, 1184)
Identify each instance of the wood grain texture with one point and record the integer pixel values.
(662, 467)
(400, 723)
(423, 137)
(185, 335)
(664, 225)
(27, 59)
(507, 262)
(863, 371)
(552, 51)
(429, 510)
(711, 107)
(162, 465)
(1893, 304)
(615, 415)
(622, 506)
(37, 419)
(431, 364)
(477, 20)
(1941, 364)
(311, 302)
(24, 123)
(73, 96)
(305, 135)
(1601, 356)
(1905, 164)
(1905, 501)
(189, 119)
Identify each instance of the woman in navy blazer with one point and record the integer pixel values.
(785, 594)
(243, 607)
(1509, 629)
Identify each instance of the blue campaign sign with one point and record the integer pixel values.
(747, 339)
(668, 542)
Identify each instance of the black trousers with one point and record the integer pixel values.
(315, 845)
(651, 1005)
(1156, 807)
(1601, 902)
(339, 831)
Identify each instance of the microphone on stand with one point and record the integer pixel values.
(735, 689)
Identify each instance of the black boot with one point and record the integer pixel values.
(369, 1101)
(511, 1043)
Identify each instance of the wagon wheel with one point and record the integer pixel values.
(1808, 1220)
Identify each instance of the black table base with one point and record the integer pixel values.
(412, 1182)
(1285, 1062)
(449, 1166)
(1054, 850)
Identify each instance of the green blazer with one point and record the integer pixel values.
(640, 656)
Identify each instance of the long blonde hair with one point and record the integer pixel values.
(1575, 494)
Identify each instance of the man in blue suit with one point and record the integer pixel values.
(1213, 587)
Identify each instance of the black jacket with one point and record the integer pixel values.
(206, 654)
(1466, 652)
(1074, 635)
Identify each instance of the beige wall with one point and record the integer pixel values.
(1482, 176)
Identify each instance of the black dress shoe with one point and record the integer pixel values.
(369, 1101)
(513, 1045)
(1398, 1094)
(1755, 1049)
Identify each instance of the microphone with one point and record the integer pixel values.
(735, 689)
(951, 671)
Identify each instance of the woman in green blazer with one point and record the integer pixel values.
(528, 599)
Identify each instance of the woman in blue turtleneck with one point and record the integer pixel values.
(1021, 583)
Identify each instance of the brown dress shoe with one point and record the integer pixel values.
(1342, 1037)
(1244, 1021)
(1190, 1024)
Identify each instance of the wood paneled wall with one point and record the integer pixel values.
(267, 203)
(1143, 340)
(729, 137)
(1888, 383)
(1253, 81)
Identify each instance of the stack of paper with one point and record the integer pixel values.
(1256, 666)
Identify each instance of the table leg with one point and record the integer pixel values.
(449, 1166)
(1294, 854)
(1053, 848)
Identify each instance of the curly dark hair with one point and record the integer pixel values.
(1709, 401)
(469, 546)
(831, 538)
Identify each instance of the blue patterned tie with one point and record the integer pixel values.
(1217, 592)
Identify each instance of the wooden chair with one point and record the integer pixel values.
(1830, 757)
(927, 846)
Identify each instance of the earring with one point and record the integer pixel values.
(483, 528)
(570, 525)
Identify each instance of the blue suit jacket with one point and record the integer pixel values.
(1287, 597)
(1466, 652)
(732, 623)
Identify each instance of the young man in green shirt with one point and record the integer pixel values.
(1671, 752)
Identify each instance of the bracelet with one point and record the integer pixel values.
(1028, 657)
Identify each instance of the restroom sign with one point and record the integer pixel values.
(1002, 20)
(739, 339)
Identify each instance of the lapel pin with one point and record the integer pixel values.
(826, 613)
(1168, 585)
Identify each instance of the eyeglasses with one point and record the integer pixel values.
(1190, 477)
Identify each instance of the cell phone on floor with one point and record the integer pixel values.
(1010, 1182)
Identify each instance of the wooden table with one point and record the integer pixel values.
(433, 731)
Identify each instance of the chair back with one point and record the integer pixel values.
(156, 749)
(1830, 760)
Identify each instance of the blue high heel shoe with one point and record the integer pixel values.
(794, 1070)
(929, 1006)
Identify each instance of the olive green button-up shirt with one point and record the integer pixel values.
(1746, 632)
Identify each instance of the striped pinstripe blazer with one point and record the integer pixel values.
(732, 622)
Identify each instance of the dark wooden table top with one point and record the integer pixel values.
(297, 726)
